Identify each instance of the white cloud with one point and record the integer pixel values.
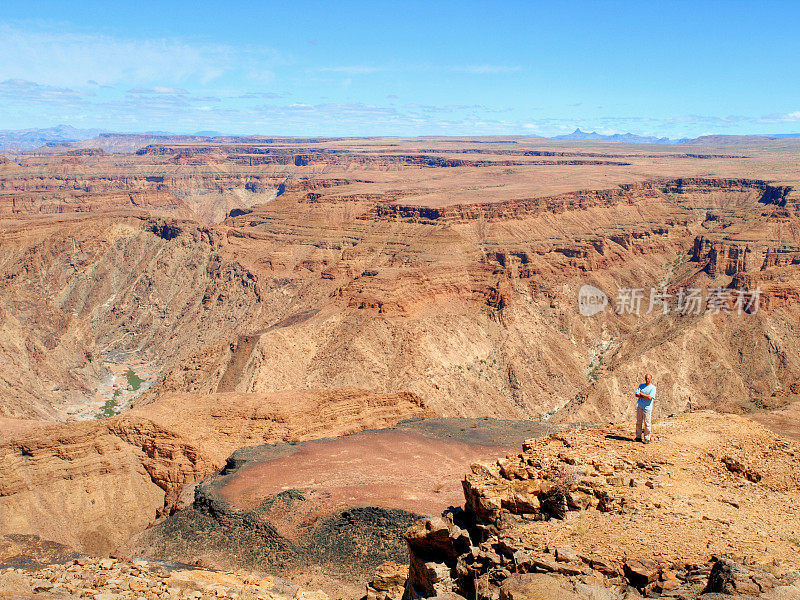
(22, 91)
(63, 59)
(158, 90)
(257, 95)
(421, 68)
(791, 117)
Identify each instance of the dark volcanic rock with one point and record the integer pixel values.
(363, 537)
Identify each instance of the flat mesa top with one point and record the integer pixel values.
(423, 172)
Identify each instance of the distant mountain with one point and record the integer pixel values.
(29, 139)
(50, 138)
(628, 138)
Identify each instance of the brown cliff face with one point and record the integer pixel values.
(730, 258)
(123, 289)
(496, 271)
(92, 485)
(584, 199)
(206, 191)
(456, 291)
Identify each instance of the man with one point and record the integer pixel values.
(645, 394)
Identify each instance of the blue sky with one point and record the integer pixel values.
(402, 68)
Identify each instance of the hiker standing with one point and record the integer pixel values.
(645, 394)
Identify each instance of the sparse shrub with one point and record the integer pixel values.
(109, 408)
(565, 480)
(133, 380)
(554, 502)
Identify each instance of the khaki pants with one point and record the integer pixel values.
(643, 423)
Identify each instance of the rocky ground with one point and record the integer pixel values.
(710, 506)
(111, 579)
(709, 509)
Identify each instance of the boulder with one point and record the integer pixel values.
(388, 583)
(729, 577)
(641, 572)
(523, 498)
(513, 467)
(566, 555)
(485, 589)
(481, 498)
(783, 592)
(577, 500)
(606, 567)
(554, 503)
(426, 579)
(389, 575)
(436, 537)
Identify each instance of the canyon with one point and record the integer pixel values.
(180, 313)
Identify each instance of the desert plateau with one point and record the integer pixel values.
(399, 301)
(182, 321)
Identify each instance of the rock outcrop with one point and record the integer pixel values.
(592, 514)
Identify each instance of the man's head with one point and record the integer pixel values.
(648, 379)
